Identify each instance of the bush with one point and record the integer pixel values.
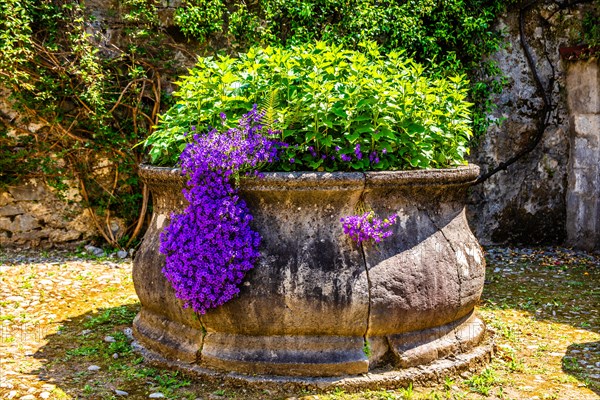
(337, 109)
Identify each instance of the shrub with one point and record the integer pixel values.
(337, 109)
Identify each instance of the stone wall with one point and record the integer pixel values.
(526, 203)
(32, 215)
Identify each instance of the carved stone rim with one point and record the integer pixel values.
(463, 175)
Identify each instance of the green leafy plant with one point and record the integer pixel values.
(453, 36)
(200, 18)
(484, 382)
(591, 26)
(331, 105)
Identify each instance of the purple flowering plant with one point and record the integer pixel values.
(368, 226)
(211, 245)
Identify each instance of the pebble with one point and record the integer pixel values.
(96, 251)
(129, 333)
(156, 395)
(93, 368)
(85, 332)
(109, 339)
(121, 392)
(115, 356)
(122, 254)
(45, 395)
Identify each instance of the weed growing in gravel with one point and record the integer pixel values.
(484, 382)
(118, 316)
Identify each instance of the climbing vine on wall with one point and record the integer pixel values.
(90, 109)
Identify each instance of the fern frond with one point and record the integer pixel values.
(268, 106)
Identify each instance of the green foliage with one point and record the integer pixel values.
(367, 348)
(483, 382)
(120, 345)
(92, 108)
(200, 18)
(116, 316)
(331, 100)
(453, 36)
(591, 26)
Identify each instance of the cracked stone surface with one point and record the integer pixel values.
(315, 296)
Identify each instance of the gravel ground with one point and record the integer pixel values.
(65, 318)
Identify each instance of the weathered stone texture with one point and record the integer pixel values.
(583, 195)
(31, 215)
(583, 86)
(315, 297)
(527, 203)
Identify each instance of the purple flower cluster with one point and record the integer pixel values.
(343, 155)
(367, 226)
(211, 245)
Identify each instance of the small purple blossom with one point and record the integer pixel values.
(357, 151)
(345, 157)
(374, 158)
(292, 160)
(367, 226)
(312, 151)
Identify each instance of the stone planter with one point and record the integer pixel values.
(317, 304)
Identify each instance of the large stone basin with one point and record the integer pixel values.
(317, 304)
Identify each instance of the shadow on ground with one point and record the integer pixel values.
(91, 357)
(583, 361)
(558, 290)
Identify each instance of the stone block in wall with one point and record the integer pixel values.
(24, 223)
(64, 235)
(587, 125)
(584, 152)
(5, 199)
(583, 83)
(29, 192)
(10, 211)
(31, 238)
(585, 182)
(6, 224)
(583, 221)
